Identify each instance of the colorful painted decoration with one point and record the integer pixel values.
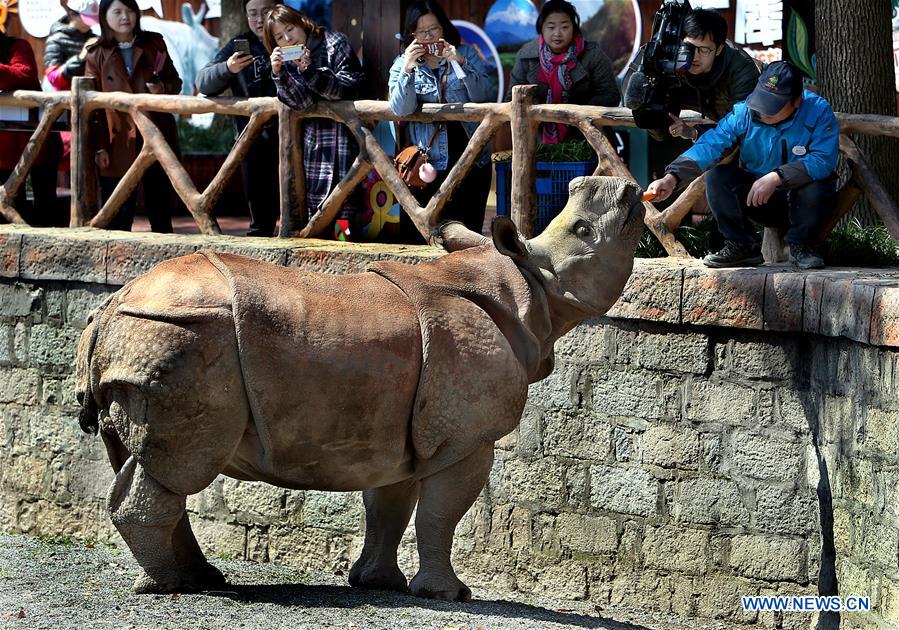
(474, 36)
(190, 44)
(155, 5)
(37, 16)
(6, 7)
(319, 11)
(509, 24)
(615, 25)
(381, 214)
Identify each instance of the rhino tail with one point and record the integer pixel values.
(89, 415)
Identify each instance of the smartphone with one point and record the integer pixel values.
(242, 46)
(290, 53)
(434, 48)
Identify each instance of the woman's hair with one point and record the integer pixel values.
(559, 6)
(286, 15)
(106, 33)
(421, 8)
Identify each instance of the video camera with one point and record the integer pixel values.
(665, 59)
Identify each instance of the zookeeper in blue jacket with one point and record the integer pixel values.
(789, 146)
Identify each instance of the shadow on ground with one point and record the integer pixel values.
(324, 596)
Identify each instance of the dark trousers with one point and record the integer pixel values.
(44, 212)
(159, 197)
(802, 211)
(259, 170)
(469, 200)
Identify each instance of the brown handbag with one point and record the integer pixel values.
(412, 158)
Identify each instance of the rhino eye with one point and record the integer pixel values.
(583, 229)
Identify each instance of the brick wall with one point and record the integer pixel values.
(719, 436)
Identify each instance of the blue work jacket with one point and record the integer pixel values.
(408, 91)
(803, 148)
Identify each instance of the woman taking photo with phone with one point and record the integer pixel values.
(128, 59)
(310, 64)
(434, 68)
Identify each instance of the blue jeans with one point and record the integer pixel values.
(802, 211)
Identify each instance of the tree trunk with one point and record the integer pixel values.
(234, 20)
(855, 74)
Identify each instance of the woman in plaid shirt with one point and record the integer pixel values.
(328, 70)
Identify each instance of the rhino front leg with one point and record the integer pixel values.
(387, 512)
(153, 522)
(445, 497)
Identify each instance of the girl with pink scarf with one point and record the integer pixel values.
(566, 68)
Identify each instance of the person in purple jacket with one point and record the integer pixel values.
(328, 70)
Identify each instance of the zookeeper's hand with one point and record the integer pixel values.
(451, 54)
(413, 53)
(238, 61)
(662, 188)
(101, 158)
(277, 60)
(762, 189)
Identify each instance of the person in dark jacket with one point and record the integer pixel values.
(68, 35)
(18, 71)
(789, 148)
(720, 77)
(565, 67)
(250, 75)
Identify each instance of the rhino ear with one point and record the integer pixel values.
(507, 240)
(626, 188)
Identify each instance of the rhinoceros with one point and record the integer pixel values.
(396, 381)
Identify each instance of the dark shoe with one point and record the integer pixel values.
(805, 257)
(735, 254)
(265, 233)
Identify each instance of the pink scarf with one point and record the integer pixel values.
(555, 72)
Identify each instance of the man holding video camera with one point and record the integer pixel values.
(243, 66)
(711, 80)
(789, 147)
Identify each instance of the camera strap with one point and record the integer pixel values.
(441, 98)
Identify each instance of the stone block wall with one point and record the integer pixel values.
(711, 440)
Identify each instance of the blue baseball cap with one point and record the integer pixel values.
(779, 84)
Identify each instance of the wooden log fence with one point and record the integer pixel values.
(523, 113)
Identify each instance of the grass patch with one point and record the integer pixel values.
(219, 138)
(855, 245)
(63, 541)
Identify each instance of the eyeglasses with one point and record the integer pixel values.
(429, 32)
(252, 16)
(705, 51)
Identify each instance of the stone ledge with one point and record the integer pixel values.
(857, 304)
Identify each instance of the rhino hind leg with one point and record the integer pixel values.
(387, 512)
(445, 498)
(153, 522)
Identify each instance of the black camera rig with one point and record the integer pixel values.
(661, 66)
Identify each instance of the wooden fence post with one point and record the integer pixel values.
(290, 171)
(84, 171)
(524, 161)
